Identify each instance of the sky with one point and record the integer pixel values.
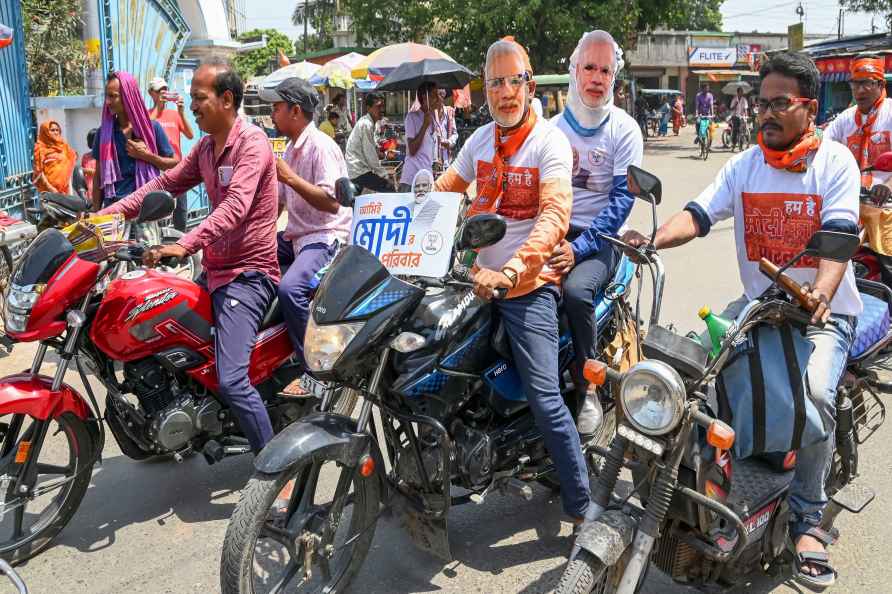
(737, 15)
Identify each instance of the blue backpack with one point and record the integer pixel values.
(763, 393)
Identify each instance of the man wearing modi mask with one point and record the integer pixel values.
(522, 165)
(605, 141)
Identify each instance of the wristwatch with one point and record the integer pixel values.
(512, 276)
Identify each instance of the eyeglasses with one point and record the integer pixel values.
(862, 84)
(780, 104)
(515, 81)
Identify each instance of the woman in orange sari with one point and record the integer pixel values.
(677, 114)
(54, 160)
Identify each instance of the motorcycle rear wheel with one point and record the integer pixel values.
(63, 496)
(256, 519)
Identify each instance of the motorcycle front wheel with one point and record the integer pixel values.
(29, 523)
(295, 543)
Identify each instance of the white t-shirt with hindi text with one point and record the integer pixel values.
(545, 154)
(776, 212)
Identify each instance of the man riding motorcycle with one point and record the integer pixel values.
(522, 167)
(813, 184)
(238, 238)
(605, 141)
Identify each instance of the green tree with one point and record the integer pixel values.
(880, 6)
(53, 46)
(549, 29)
(319, 15)
(392, 21)
(256, 62)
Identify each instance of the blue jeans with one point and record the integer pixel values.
(238, 309)
(532, 326)
(298, 285)
(826, 365)
(580, 287)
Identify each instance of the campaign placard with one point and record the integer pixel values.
(410, 235)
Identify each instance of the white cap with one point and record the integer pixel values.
(157, 83)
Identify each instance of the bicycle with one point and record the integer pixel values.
(704, 136)
(741, 139)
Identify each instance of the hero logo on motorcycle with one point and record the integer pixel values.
(151, 302)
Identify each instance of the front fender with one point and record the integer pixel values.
(608, 536)
(320, 436)
(32, 395)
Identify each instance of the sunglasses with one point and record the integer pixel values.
(515, 81)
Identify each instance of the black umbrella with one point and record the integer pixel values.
(409, 75)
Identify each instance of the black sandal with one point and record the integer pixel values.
(819, 560)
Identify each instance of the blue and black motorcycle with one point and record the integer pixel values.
(433, 361)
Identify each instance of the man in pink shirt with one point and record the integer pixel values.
(238, 238)
(317, 224)
(174, 124)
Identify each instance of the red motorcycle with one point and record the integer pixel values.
(874, 259)
(147, 337)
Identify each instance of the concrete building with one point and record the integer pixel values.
(681, 60)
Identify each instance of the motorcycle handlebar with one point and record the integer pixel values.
(791, 287)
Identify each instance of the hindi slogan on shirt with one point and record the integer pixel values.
(408, 238)
(777, 226)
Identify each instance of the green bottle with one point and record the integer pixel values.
(717, 327)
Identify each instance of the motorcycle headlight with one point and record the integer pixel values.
(19, 301)
(652, 396)
(323, 345)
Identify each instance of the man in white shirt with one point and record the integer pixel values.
(791, 164)
(363, 163)
(605, 141)
(866, 127)
(740, 108)
(521, 164)
(425, 129)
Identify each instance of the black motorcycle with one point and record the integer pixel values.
(434, 362)
(706, 517)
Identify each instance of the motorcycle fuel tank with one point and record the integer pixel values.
(146, 311)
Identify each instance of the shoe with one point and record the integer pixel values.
(590, 417)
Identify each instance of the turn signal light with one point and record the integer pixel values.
(720, 435)
(367, 466)
(595, 372)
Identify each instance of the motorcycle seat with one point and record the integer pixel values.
(273, 315)
(873, 325)
(71, 203)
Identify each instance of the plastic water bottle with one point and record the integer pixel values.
(717, 327)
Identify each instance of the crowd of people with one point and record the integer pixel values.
(571, 191)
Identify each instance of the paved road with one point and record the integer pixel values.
(157, 527)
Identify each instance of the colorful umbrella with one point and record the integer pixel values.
(336, 73)
(302, 70)
(5, 35)
(382, 61)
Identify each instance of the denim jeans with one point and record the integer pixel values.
(532, 326)
(826, 365)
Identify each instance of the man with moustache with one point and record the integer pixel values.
(866, 127)
(790, 163)
(238, 238)
(522, 166)
(605, 141)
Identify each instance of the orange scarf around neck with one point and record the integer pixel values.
(794, 159)
(865, 124)
(488, 194)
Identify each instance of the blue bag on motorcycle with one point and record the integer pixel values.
(763, 393)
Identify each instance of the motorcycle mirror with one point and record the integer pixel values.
(155, 206)
(345, 192)
(79, 182)
(644, 185)
(480, 231)
(833, 245)
(882, 163)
